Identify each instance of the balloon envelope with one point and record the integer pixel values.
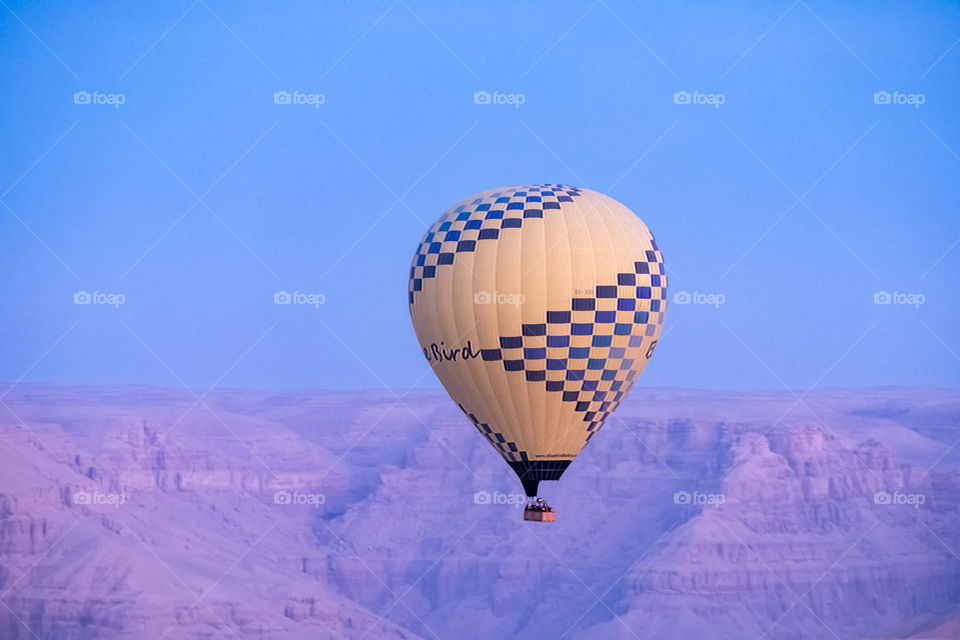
(537, 307)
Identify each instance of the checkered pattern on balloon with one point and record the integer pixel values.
(583, 352)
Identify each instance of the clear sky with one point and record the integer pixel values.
(782, 188)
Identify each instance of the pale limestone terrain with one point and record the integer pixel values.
(692, 515)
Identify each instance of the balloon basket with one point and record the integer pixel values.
(537, 510)
(539, 516)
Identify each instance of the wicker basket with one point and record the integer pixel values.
(539, 516)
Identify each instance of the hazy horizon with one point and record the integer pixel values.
(640, 387)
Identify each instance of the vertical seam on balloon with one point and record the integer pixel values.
(595, 280)
(520, 393)
(630, 247)
(458, 378)
(577, 212)
(488, 391)
(514, 418)
(562, 226)
(616, 258)
(662, 311)
(506, 419)
(532, 389)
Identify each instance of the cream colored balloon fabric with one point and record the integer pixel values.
(538, 306)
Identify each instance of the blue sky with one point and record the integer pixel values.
(197, 198)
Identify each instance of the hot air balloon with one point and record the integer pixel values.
(538, 307)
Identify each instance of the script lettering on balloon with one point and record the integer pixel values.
(440, 353)
(653, 345)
